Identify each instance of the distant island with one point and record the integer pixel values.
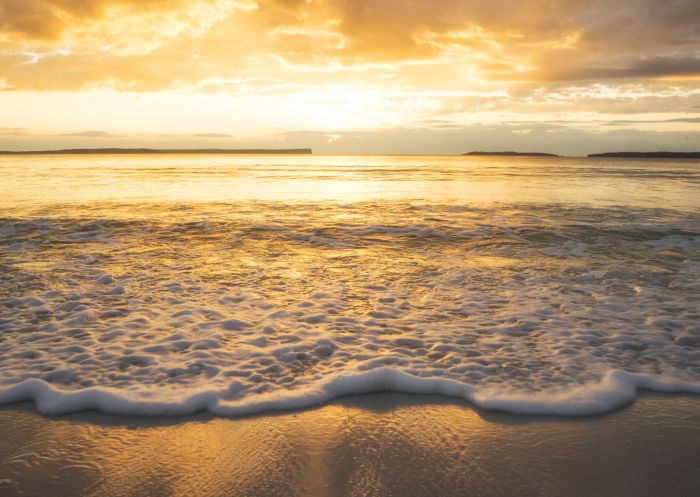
(290, 151)
(651, 155)
(513, 154)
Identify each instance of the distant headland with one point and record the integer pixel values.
(288, 151)
(512, 154)
(651, 155)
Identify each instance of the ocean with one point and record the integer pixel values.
(169, 284)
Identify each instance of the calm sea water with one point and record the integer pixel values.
(167, 284)
(32, 182)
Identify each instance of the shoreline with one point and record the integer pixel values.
(615, 390)
(379, 444)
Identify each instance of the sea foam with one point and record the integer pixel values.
(533, 308)
(616, 389)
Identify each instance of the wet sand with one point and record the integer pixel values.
(383, 445)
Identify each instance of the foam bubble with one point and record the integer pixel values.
(546, 309)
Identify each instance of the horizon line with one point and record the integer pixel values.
(309, 151)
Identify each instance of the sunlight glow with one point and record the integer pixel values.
(264, 69)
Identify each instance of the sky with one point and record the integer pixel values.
(352, 76)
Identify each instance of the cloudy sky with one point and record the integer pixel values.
(352, 76)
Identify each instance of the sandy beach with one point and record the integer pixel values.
(373, 445)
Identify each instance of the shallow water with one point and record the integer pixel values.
(169, 284)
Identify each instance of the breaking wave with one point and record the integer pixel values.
(239, 308)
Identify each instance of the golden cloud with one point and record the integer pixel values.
(156, 44)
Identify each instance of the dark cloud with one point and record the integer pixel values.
(665, 66)
(685, 120)
(645, 68)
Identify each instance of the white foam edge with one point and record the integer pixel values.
(615, 390)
